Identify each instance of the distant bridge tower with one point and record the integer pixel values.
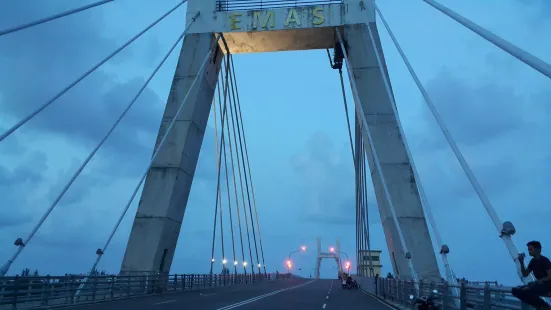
(331, 255)
(246, 29)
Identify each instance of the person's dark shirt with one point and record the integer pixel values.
(540, 266)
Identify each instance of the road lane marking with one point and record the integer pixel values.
(327, 297)
(165, 302)
(323, 307)
(248, 301)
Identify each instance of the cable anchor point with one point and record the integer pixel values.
(444, 249)
(19, 242)
(507, 229)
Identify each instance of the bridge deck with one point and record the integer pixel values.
(286, 294)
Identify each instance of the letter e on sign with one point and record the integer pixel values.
(235, 20)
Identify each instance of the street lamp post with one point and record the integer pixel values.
(301, 249)
(340, 252)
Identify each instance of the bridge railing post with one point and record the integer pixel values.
(463, 296)
(445, 296)
(129, 286)
(401, 293)
(394, 289)
(15, 292)
(487, 297)
(72, 289)
(111, 287)
(94, 288)
(183, 281)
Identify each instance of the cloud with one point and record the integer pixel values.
(13, 181)
(326, 179)
(496, 127)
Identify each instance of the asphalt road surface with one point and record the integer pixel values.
(303, 294)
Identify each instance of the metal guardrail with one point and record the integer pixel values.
(462, 296)
(38, 292)
(245, 5)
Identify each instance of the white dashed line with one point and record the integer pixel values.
(327, 297)
(165, 302)
(324, 305)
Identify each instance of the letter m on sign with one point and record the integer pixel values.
(262, 18)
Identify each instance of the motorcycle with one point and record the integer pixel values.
(349, 286)
(425, 302)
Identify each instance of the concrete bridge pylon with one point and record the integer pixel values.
(165, 194)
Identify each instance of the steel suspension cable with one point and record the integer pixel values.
(238, 159)
(218, 171)
(369, 139)
(53, 17)
(365, 214)
(366, 242)
(511, 247)
(219, 197)
(247, 188)
(347, 115)
(357, 187)
(94, 68)
(228, 189)
(513, 50)
(235, 190)
(4, 269)
(362, 243)
(249, 168)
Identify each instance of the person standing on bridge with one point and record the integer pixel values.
(540, 266)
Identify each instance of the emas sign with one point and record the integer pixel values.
(284, 18)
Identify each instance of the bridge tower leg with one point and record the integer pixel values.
(318, 258)
(392, 156)
(165, 194)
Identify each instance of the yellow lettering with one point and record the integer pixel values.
(319, 17)
(270, 18)
(292, 17)
(234, 21)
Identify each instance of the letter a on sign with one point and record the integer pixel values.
(292, 17)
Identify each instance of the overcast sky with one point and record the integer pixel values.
(497, 108)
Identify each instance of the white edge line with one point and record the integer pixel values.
(165, 302)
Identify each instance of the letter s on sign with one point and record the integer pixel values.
(319, 18)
